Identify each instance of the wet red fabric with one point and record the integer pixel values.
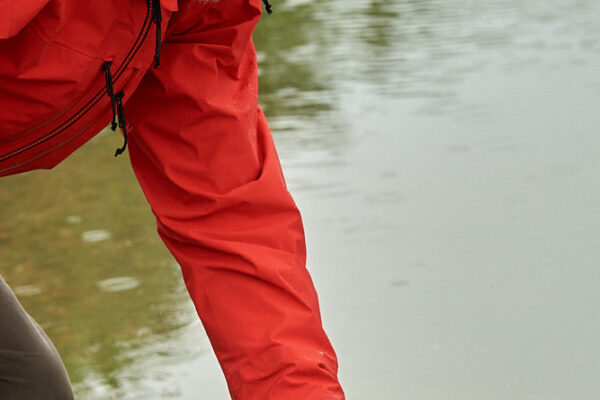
(202, 151)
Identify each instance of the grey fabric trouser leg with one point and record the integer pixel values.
(30, 367)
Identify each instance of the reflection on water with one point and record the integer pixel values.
(449, 184)
(444, 156)
(72, 241)
(118, 284)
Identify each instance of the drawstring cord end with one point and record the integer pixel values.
(121, 150)
(110, 93)
(121, 115)
(268, 7)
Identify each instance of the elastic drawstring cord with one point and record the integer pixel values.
(268, 7)
(116, 100)
(157, 19)
(110, 93)
(122, 124)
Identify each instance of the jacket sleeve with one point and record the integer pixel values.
(16, 14)
(203, 154)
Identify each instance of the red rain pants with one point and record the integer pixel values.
(202, 152)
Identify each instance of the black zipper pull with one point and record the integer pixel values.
(122, 124)
(268, 7)
(110, 93)
(157, 19)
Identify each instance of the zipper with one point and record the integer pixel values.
(99, 95)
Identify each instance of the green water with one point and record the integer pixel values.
(44, 215)
(444, 156)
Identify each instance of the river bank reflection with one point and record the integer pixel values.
(444, 156)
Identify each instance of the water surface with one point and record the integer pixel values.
(444, 156)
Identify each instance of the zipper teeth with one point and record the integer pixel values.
(90, 104)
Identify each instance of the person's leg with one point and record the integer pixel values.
(203, 154)
(30, 367)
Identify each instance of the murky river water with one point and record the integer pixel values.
(445, 157)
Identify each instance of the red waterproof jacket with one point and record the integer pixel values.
(202, 152)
